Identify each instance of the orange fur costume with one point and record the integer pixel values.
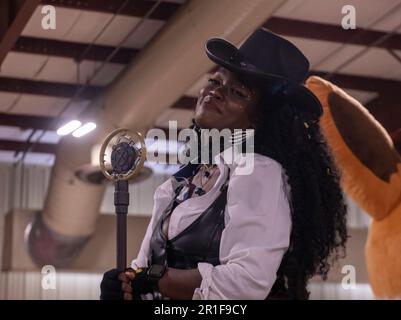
(371, 175)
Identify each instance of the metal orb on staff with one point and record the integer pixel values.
(126, 158)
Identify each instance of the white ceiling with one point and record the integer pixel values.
(46, 137)
(6, 100)
(84, 26)
(58, 69)
(329, 11)
(33, 104)
(14, 133)
(328, 56)
(377, 63)
(182, 116)
(75, 26)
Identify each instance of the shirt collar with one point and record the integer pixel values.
(230, 157)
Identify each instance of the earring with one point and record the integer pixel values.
(306, 125)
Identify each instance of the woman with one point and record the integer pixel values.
(217, 234)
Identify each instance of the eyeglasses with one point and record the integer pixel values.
(237, 91)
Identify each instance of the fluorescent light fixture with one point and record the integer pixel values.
(69, 127)
(86, 128)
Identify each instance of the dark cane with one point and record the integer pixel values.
(127, 158)
(121, 201)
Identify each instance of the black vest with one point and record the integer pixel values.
(199, 242)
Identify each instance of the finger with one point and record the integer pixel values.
(128, 296)
(126, 287)
(123, 277)
(130, 275)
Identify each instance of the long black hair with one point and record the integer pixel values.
(318, 209)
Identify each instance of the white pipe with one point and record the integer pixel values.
(158, 76)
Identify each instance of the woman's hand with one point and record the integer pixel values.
(115, 285)
(130, 285)
(138, 284)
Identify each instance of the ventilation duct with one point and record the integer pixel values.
(159, 76)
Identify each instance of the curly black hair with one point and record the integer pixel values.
(318, 208)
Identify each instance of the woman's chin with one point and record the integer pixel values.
(208, 120)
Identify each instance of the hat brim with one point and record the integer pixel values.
(224, 54)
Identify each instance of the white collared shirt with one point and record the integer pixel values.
(256, 234)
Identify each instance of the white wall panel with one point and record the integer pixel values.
(34, 181)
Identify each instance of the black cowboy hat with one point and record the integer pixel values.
(271, 62)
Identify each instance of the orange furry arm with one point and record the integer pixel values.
(364, 152)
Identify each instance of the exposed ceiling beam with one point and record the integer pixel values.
(342, 80)
(27, 121)
(380, 106)
(284, 26)
(72, 50)
(47, 88)
(331, 32)
(16, 24)
(17, 146)
(135, 8)
(356, 82)
(349, 81)
(186, 102)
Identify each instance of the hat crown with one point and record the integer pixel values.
(272, 54)
(269, 62)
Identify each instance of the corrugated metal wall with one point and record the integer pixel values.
(26, 187)
(333, 291)
(27, 285)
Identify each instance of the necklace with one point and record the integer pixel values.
(207, 172)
